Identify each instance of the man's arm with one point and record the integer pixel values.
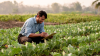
(32, 35)
(43, 34)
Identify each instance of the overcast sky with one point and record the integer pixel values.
(46, 2)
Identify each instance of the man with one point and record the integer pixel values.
(31, 26)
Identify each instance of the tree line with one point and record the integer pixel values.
(8, 7)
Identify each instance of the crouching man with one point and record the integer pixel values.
(31, 26)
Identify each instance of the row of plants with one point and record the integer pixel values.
(54, 18)
(85, 50)
(80, 39)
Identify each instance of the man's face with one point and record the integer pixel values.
(41, 19)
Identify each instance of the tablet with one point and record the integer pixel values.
(49, 36)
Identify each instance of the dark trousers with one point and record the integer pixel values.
(22, 39)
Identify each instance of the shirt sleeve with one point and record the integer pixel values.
(42, 28)
(28, 29)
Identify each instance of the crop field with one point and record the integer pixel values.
(54, 18)
(80, 38)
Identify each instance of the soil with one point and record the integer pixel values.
(96, 54)
(13, 24)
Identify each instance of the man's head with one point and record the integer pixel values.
(41, 16)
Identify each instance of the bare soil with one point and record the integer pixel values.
(13, 24)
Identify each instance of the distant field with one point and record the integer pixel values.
(54, 18)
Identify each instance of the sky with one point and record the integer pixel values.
(49, 2)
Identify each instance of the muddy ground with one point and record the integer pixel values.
(11, 24)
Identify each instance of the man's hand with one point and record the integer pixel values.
(44, 34)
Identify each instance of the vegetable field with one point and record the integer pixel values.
(77, 39)
(54, 18)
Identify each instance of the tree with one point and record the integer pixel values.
(65, 8)
(71, 7)
(15, 8)
(55, 7)
(96, 3)
(6, 7)
(77, 6)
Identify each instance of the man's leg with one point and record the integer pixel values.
(25, 39)
(22, 39)
(37, 40)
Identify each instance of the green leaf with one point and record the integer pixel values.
(65, 49)
(71, 54)
(74, 40)
(55, 54)
(71, 49)
(16, 51)
(46, 52)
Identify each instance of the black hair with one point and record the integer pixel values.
(41, 13)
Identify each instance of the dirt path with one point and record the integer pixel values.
(11, 24)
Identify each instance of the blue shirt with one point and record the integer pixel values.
(31, 26)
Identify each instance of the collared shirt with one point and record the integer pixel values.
(31, 26)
